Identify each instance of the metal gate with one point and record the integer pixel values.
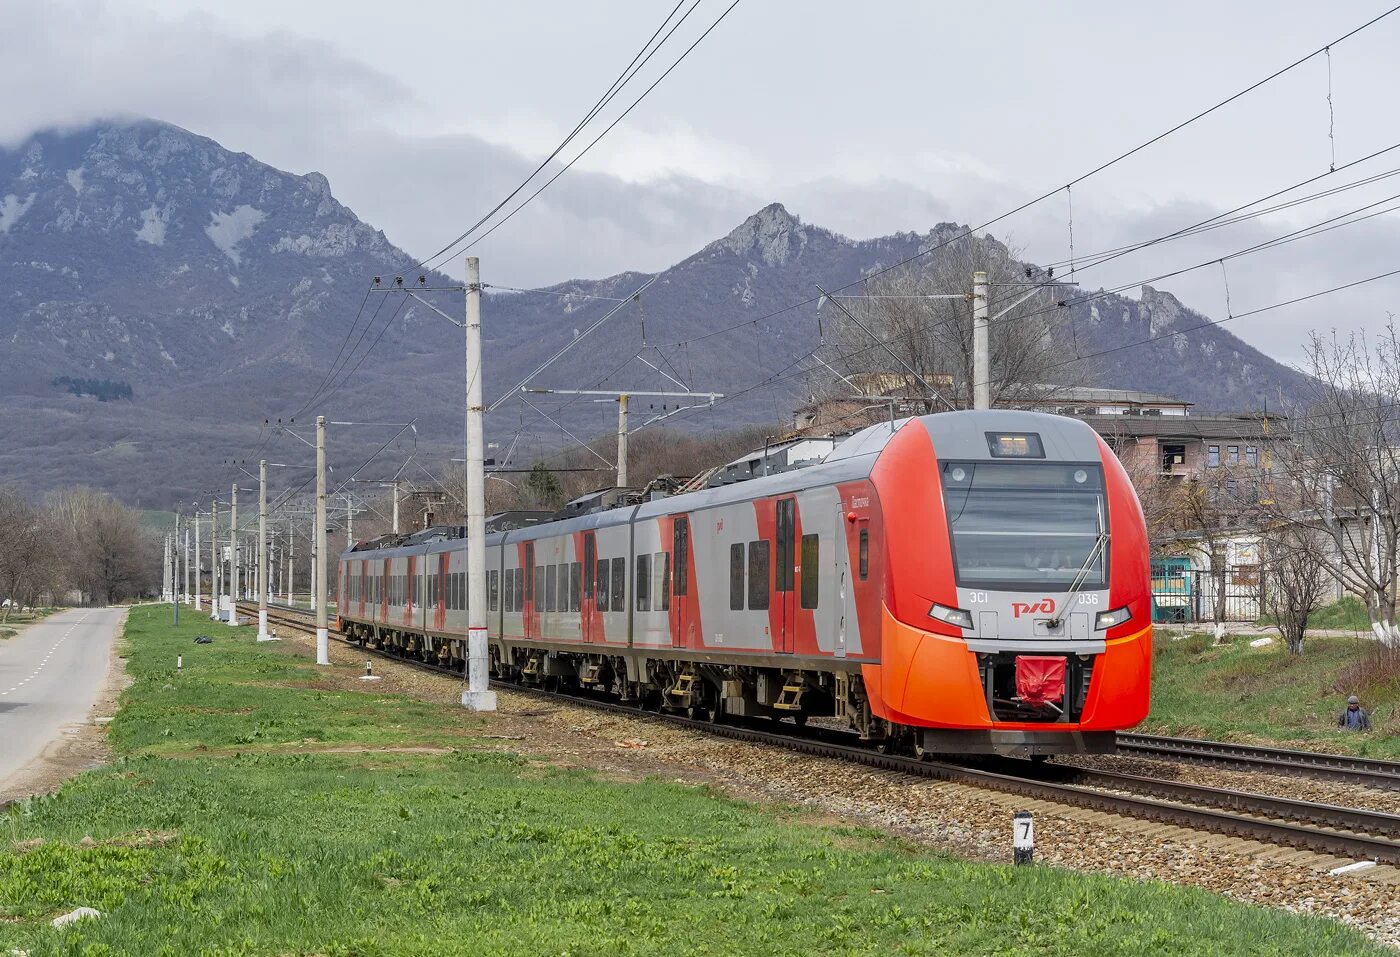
(1184, 593)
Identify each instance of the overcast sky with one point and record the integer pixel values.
(863, 118)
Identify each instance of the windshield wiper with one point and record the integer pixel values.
(1079, 579)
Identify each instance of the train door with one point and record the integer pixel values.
(783, 575)
(589, 629)
(532, 620)
(680, 584)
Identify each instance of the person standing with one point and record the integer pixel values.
(1355, 717)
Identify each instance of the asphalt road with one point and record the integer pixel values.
(50, 675)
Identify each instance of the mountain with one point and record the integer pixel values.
(165, 296)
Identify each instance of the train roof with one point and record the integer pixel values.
(956, 435)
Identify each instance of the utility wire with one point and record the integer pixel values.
(616, 87)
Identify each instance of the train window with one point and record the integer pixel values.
(619, 584)
(529, 564)
(462, 579)
(864, 554)
(590, 555)
(575, 585)
(661, 568)
(1026, 525)
(493, 591)
(759, 578)
(736, 577)
(811, 568)
(537, 593)
(551, 594)
(508, 590)
(785, 531)
(413, 588)
(641, 585)
(602, 584)
(680, 549)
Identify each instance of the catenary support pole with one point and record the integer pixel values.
(216, 566)
(323, 644)
(349, 523)
(477, 695)
(622, 439)
(395, 487)
(198, 560)
(291, 562)
(189, 592)
(262, 552)
(233, 556)
(981, 348)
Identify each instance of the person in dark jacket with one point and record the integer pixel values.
(1355, 717)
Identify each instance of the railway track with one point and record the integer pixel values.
(1346, 832)
(1372, 772)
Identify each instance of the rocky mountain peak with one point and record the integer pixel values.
(772, 234)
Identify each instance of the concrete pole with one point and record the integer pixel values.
(165, 572)
(291, 561)
(189, 595)
(622, 440)
(981, 348)
(396, 506)
(477, 695)
(262, 553)
(216, 567)
(323, 643)
(233, 557)
(311, 584)
(349, 523)
(198, 598)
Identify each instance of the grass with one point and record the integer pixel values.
(1237, 692)
(222, 830)
(1348, 614)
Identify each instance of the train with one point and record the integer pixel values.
(969, 582)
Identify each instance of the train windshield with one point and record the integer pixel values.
(1026, 525)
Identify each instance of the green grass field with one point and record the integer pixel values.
(1237, 692)
(222, 831)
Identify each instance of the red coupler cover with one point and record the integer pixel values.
(1040, 679)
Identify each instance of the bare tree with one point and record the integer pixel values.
(911, 338)
(1342, 473)
(1297, 579)
(28, 557)
(1203, 515)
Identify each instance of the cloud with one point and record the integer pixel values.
(664, 182)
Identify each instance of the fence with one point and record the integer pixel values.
(1182, 593)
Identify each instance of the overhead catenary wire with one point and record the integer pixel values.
(567, 166)
(623, 79)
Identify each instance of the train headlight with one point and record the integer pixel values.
(1105, 620)
(952, 616)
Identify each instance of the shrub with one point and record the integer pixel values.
(1374, 674)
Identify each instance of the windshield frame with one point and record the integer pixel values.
(1093, 581)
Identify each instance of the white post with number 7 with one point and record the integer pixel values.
(1023, 837)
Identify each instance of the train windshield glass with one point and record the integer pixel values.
(1026, 525)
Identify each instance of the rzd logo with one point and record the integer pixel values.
(1046, 606)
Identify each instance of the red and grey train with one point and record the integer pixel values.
(966, 582)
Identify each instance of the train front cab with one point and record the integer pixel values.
(1001, 632)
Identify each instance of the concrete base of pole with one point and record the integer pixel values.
(323, 646)
(479, 700)
(262, 627)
